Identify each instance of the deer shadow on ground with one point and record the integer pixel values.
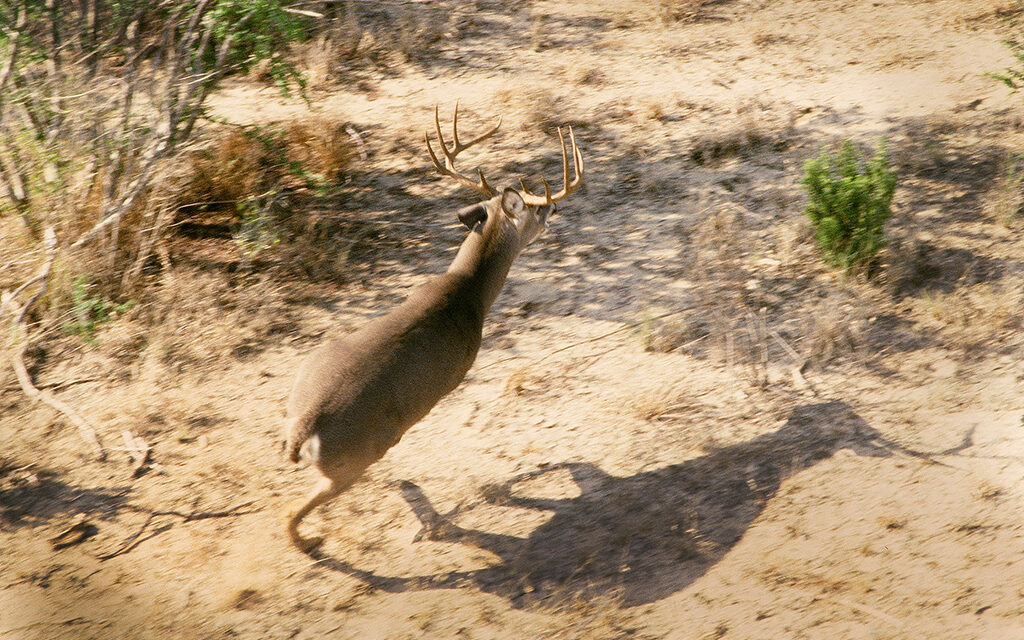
(639, 538)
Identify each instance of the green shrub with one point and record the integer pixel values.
(848, 204)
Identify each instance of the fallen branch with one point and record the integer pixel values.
(357, 138)
(13, 38)
(85, 430)
(135, 539)
(203, 515)
(59, 384)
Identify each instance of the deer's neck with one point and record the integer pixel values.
(485, 258)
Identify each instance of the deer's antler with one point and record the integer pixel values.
(448, 168)
(568, 186)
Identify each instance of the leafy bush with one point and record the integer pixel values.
(849, 203)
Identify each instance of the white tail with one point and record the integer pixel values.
(354, 397)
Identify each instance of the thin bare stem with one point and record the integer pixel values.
(85, 430)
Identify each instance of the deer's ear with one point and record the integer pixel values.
(473, 214)
(512, 203)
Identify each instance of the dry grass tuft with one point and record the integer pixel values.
(975, 317)
(768, 38)
(319, 248)
(588, 75)
(753, 129)
(234, 164)
(669, 334)
(225, 170)
(599, 617)
(652, 404)
(232, 174)
(1005, 199)
(321, 146)
(674, 11)
(378, 34)
(830, 332)
(985, 14)
(722, 291)
(534, 108)
(198, 319)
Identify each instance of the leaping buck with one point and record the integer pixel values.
(355, 396)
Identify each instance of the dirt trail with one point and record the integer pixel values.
(609, 472)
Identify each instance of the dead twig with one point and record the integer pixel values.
(135, 539)
(85, 430)
(79, 529)
(138, 449)
(357, 138)
(60, 384)
(204, 515)
(13, 37)
(627, 327)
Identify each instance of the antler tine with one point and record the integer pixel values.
(448, 168)
(528, 196)
(568, 186)
(459, 147)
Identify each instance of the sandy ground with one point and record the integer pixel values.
(608, 470)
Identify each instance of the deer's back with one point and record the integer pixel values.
(367, 388)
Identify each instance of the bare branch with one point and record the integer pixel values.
(11, 174)
(199, 88)
(85, 430)
(96, 53)
(14, 37)
(158, 150)
(18, 358)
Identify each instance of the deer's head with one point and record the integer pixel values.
(525, 211)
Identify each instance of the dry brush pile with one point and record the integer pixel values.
(107, 151)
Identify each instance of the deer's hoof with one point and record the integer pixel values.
(308, 545)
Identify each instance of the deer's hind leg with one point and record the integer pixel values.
(334, 480)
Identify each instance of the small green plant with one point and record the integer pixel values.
(848, 204)
(89, 312)
(258, 231)
(1013, 77)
